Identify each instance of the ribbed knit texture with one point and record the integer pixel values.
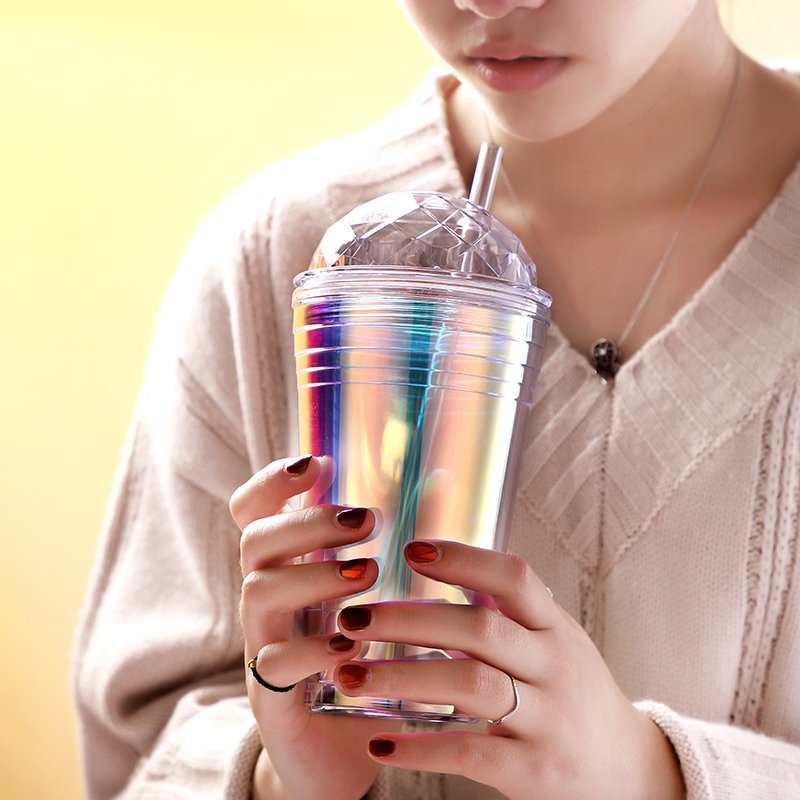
(661, 509)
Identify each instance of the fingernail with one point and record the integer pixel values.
(351, 517)
(355, 618)
(354, 570)
(382, 747)
(423, 552)
(351, 676)
(340, 644)
(298, 467)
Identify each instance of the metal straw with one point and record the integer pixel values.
(481, 193)
(486, 172)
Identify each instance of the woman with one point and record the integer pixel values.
(650, 170)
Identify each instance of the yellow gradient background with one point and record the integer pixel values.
(122, 123)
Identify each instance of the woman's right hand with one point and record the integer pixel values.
(306, 756)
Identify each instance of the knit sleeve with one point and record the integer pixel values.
(724, 762)
(158, 670)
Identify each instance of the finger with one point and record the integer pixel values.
(282, 664)
(490, 760)
(268, 491)
(477, 631)
(517, 590)
(269, 597)
(471, 686)
(276, 539)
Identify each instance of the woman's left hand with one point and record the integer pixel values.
(574, 735)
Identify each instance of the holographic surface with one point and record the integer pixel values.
(417, 381)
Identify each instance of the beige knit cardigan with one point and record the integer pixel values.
(663, 509)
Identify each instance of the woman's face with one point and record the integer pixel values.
(544, 68)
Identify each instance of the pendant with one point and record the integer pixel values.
(605, 356)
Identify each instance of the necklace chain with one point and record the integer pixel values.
(606, 353)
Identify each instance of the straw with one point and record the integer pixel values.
(481, 193)
(486, 172)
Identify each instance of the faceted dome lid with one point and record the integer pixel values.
(426, 230)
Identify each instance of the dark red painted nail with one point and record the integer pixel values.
(382, 747)
(423, 552)
(340, 644)
(351, 517)
(298, 467)
(354, 570)
(355, 618)
(351, 676)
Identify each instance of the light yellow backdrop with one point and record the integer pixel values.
(122, 122)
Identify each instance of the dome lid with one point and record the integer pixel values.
(426, 230)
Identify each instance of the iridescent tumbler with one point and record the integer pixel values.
(419, 333)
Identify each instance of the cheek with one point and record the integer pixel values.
(632, 34)
(435, 22)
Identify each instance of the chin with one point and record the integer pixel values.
(549, 115)
(538, 122)
(538, 117)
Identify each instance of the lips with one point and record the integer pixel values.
(514, 67)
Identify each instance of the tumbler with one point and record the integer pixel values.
(419, 333)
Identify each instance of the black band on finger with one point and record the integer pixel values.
(252, 664)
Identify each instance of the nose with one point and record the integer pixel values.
(494, 9)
